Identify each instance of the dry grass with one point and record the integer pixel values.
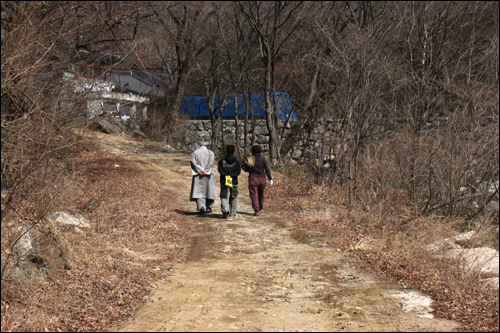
(392, 241)
(135, 231)
(135, 237)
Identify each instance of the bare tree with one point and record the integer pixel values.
(442, 74)
(273, 23)
(305, 77)
(240, 56)
(356, 66)
(182, 24)
(213, 78)
(40, 45)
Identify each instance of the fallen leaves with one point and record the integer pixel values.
(475, 306)
(106, 283)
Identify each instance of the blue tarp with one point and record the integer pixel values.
(197, 106)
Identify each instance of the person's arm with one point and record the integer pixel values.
(196, 168)
(220, 168)
(210, 165)
(268, 171)
(235, 169)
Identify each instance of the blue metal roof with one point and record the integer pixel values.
(197, 106)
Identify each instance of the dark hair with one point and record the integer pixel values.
(230, 150)
(256, 149)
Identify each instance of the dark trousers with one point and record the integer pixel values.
(256, 186)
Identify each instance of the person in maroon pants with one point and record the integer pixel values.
(257, 179)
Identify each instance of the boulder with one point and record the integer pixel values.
(483, 260)
(116, 125)
(479, 260)
(67, 222)
(452, 242)
(36, 254)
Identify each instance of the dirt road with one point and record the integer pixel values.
(261, 273)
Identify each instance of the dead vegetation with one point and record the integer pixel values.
(391, 240)
(388, 197)
(135, 237)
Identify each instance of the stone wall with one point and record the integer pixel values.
(313, 143)
(197, 130)
(297, 148)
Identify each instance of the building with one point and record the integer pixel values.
(151, 82)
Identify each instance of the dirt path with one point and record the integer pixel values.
(261, 273)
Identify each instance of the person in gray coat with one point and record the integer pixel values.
(203, 188)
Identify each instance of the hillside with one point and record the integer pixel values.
(148, 263)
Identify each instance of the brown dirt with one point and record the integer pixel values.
(259, 273)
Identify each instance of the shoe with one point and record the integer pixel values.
(208, 210)
(225, 214)
(257, 213)
(202, 212)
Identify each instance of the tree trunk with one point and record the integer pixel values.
(269, 107)
(248, 101)
(236, 124)
(170, 120)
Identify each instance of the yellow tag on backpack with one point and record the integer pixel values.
(229, 181)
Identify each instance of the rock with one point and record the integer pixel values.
(47, 252)
(296, 154)
(37, 255)
(67, 221)
(23, 245)
(108, 126)
(116, 125)
(26, 273)
(229, 138)
(452, 242)
(261, 139)
(482, 259)
(492, 282)
(203, 136)
(138, 133)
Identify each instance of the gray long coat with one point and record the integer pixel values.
(202, 159)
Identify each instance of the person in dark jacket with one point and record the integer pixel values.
(257, 179)
(231, 167)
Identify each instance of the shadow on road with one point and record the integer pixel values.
(188, 213)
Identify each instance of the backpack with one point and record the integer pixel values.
(249, 161)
